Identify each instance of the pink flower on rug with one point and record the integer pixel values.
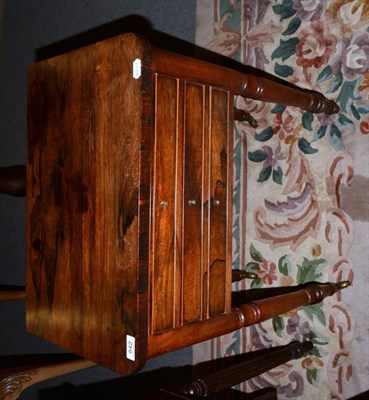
(364, 126)
(267, 271)
(283, 124)
(312, 362)
(315, 47)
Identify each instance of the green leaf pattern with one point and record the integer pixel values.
(287, 134)
(307, 270)
(334, 78)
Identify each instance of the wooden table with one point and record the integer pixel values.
(129, 199)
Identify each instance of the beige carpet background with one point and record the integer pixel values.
(302, 185)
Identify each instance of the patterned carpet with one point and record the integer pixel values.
(302, 185)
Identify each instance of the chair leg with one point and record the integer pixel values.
(10, 293)
(13, 180)
(20, 372)
(263, 309)
(240, 372)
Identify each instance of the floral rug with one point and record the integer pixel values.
(302, 185)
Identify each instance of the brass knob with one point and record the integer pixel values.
(239, 274)
(343, 284)
(192, 202)
(240, 115)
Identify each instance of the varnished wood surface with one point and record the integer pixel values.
(246, 85)
(129, 201)
(242, 315)
(88, 191)
(260, 310)
(12, 293)
(191, 261)
(19, 372)
(240, 372)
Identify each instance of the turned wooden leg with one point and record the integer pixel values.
(240, 372)
(20, 372)
(10, 293)
(245, 296)
(13, 180)
(258, 88)
(243, 315)
(263, 309)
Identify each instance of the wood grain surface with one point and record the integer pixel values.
(192, 197)
(129, 202)
(88, 185)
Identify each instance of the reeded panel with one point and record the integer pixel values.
(190, 239)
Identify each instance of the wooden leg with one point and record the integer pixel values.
(240, 372)
(258, 88)
(20, 372)
(245, 296)
(242, 315)
(263, 309)
(13, 180)
(10, 293)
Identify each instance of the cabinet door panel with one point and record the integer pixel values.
(164, 241)
(192, 201)
(191, 228)
(217, 205)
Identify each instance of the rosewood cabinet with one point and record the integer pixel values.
(129, 200)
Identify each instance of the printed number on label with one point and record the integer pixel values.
(130, 348)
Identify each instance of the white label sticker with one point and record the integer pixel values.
(130, 348)
(136, 68)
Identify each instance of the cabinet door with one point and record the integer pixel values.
(217, 213)
(206, 185)
(166, 206)
(191, 226)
